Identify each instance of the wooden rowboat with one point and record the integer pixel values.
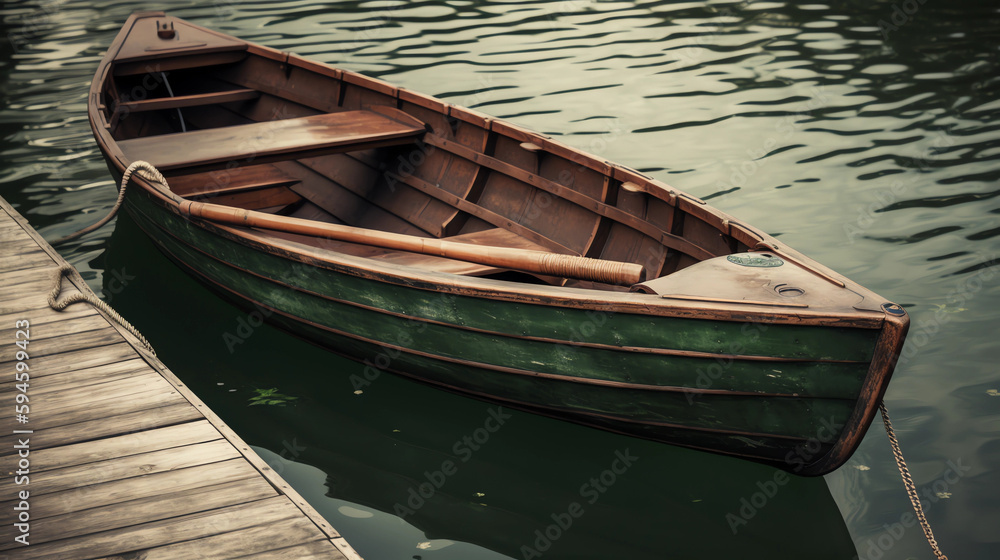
(443, 244)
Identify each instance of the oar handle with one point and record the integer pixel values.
(596, 270)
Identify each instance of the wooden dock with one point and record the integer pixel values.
(123, 460)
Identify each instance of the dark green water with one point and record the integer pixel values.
(873, 150)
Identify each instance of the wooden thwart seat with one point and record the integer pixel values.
(230, 181)
(276, 140)
(196, 100)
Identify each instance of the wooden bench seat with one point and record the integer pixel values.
(229, 181)
(278, 140)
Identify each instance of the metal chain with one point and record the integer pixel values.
(911, 489)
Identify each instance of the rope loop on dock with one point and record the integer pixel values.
(911, 488)
(60, 304)
(148, 172)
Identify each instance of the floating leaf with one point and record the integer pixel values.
(863, 467)
(993, 392)
(270, 397)
(358, 392)
(943, 495)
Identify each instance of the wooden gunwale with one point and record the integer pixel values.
(866, 319)
(504, 291)
(553, 296)
(574, 343)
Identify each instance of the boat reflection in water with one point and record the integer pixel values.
(493, 481)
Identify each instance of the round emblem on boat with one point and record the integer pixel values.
(759, 260)
(893, 309)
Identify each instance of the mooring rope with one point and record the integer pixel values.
(911, 489)
(151, 173)
(59, 305)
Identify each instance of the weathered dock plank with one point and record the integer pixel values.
(155, 508)
(81, 359)
(132, 422)
(125, 446)
(85, 378)
(125, 461)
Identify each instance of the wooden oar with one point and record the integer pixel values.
(538, 262)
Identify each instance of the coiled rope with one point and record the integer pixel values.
(148, 172)
(59, 305)
(911, 488)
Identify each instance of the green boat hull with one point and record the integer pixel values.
(784, 401)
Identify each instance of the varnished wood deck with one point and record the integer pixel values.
(125, 461)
